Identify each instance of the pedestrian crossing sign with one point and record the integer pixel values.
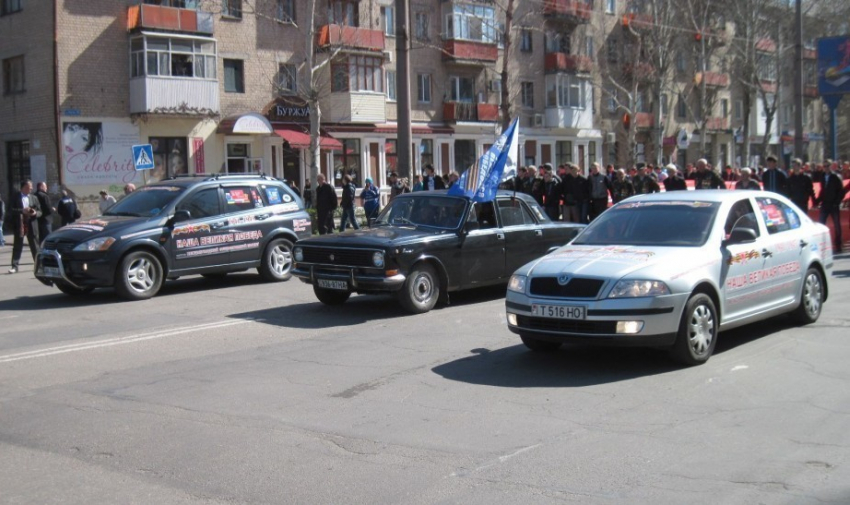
(143, 157)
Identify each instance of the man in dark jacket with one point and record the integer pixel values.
(45, 221)
(551, 196)
(621, 188)
(325, 205)
(706, 177)
(831, 194)
(774, 179)
(347, 204)
(581, 196)
(800, 187)
(599, 187)
(674, 180)
(22, 219)
(67, 209)
(430, 182)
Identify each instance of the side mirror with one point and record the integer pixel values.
(741, 236)
(180, 216)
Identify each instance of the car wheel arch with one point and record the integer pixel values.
(817, 265)
(441, 271)
(709, 289)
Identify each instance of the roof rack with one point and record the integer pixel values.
(215, 177)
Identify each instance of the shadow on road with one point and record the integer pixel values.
(580, 366)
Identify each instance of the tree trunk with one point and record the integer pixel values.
(503, 77)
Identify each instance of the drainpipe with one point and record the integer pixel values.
(56, 110)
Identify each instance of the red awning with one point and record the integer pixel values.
(299, 138)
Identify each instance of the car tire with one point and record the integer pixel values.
(698, 330)
(139, 276)
(538, 345)
(331, 296)
(421, 290)
(811, 298)
(73, 291)
(277, 261)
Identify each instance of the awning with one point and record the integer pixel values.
(251, 123)
(299, 138)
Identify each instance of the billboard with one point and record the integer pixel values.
(834, 65)
(99, 152)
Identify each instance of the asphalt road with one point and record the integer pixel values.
(241, 392)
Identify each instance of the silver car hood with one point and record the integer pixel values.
(611, 262)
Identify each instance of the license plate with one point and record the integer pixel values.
(329, 284)
(50, 271)
(558, 311)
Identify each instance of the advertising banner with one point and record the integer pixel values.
(834, 65)
(98, 153)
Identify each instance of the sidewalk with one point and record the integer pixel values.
(26, 264)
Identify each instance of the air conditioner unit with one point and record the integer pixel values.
(610, 138)
(537, 121)
(495, 86)
(388, 56)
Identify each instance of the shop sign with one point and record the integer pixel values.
(288, 109)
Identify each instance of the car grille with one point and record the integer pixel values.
(59, 245)
(567, 325)
(575, 288)
(342, 257)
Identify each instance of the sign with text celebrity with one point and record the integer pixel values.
(99, 152)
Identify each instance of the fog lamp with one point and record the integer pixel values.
(629, 327)
(512, 319)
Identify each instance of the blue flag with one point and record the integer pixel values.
(481, 181)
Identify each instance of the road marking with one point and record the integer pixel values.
(739, 367)
(84, 346)
(8, 317)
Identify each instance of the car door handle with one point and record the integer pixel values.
(500, 236)
(539, 233)
(218, 225)
(803, 244)
(262, 217)
(766, 253)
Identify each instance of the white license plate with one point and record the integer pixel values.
(329, 284)
(50, 271)
(558, 311)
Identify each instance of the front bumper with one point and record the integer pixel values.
(659, 319)
(357, 279)
(51, 267)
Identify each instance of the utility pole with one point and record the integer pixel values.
(798, 82)
(405, 135)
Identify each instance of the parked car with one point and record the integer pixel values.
(424, 245)
(672, 270)
(191, 225)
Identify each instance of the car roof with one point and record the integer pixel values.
(704, 195)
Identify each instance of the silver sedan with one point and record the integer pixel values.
(672, 270)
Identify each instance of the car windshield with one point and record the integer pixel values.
(435, 211)
(145, 202)
(660, 223)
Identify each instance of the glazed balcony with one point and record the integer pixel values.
(573, 11)
(174, 96)
(351, 38)
(563, 62)
(716, 79)
(171, 19)
(470, 52)
(456, 112)
(716, 124)
(355, 107)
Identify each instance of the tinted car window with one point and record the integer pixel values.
(203, 203)
(145, 202)
(240, 198)
(483, 214)
(778, 217)
(664, 223)
(433, 211)
(514, 213)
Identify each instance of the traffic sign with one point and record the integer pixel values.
(143, 157)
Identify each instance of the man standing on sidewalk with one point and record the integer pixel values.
(830, 197)
(45, 221)
(326, 204)
(24, 211)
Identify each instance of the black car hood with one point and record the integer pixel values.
(380, 237)
(112, 226)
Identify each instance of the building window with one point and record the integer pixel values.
(10, 7)
(739, 110)
(588, 46)
(681, 62)
(426, 152)
(525, 41)
(563, 152)
(18, 162)
(164, 56)
(472, 22)
(461, 89)
(423, 88)
(766, 66)
(681, 108)
(234, 76)
(391, 86)
(528, 94)
(613, 53)
(391, 155)
(422, 22)
(238, 158)
(13, 75)
(347, 161)
(285, 11)
(358, 73)
(343, 12)
(231, 8)
(388, 20)
(564, 90)
(591, 153)
(169, 157)
(286, 81)
(610, 6)
(724, 108)
(558, 42)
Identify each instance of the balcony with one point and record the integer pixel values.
(173, 19)
(351, 38)
(471, 112)
(470, 52)
(810, 91)
(563, 62)
(355, 107)
(570, 117)
(641, 71)
(716, 79)
(637, 21)
(174, 95)
(644, 120)
(573, 11)
(716, 123)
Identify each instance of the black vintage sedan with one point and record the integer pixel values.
(424, 245)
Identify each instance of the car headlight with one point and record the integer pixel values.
(96, 244)
(517, 283)
(298, 253)
(378, 259)
(638, 288)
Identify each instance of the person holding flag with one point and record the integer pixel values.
(481, 181)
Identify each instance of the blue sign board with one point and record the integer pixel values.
(143, 157)
(834, 65)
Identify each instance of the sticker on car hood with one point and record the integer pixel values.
(620, 253)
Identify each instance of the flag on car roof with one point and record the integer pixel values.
(481, 181)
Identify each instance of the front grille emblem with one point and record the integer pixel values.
(563, 279)
(331, 257)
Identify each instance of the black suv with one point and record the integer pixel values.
(180, 226)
